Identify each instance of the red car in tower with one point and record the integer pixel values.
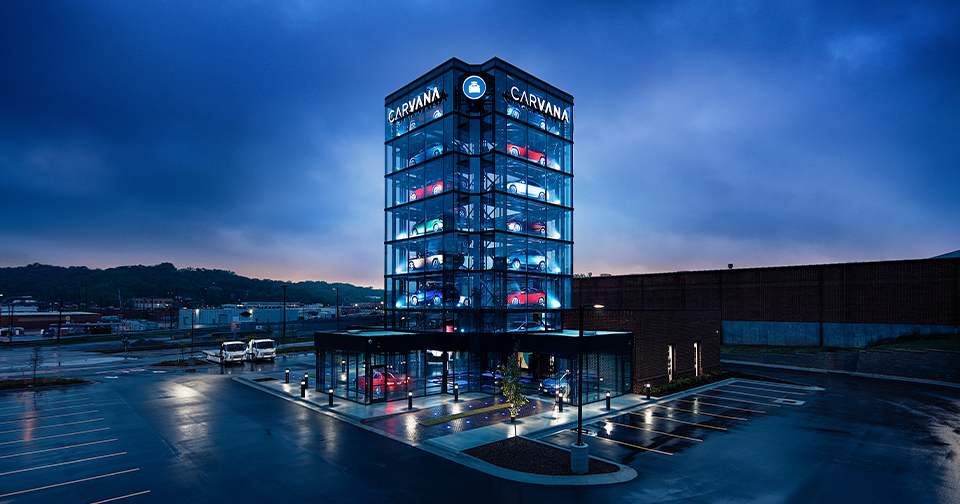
(527, 296)
(432, 188)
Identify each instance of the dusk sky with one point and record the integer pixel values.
(248, 135)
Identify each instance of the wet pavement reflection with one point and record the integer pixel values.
(410, 425)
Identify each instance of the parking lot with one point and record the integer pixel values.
(50, 440)
(671, 427)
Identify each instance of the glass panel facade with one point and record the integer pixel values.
(478, 242)
(479, 216)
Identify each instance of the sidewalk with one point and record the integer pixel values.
(375, 418)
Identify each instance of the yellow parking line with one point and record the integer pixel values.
(51, 416)
(721, 406)
(122, 497)
(48, 426)
(685, 422)
(654, 430)
(54, 436)
(766, 390)
(739, 400)
(635, 446)
(62, 463)
(706, 414)
(56, 449)
(67, 483)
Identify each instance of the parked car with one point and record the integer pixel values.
(527, 188)
(527, 296)
(565, 382)
(435, 294)
(532, 117)
(527, 260)
(431, 225)
(531, 226)
(432, 151)
(527, 326)
(435, 187)
(387, 378)
(433, 260)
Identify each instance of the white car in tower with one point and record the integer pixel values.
(527, 188)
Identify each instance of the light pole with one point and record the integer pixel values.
(579, 455)
(283, 328)
(197, 313)
(338, 307)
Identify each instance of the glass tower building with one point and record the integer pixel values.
(478, 201)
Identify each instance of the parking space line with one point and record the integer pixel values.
(739, 400)
(30, 402)
(53, 436)
(705, 414)
(720, 406)
(62, 463)
(49, 409)
(48, 426)
(653, 430)
(67, 483)
(746, 394)
(634, 446)
(56, 449)
(766, 390)
(685, 422)
(122, 497)
(51, 416)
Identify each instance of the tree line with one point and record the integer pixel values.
(87, 288)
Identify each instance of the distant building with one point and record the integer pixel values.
(151, 303)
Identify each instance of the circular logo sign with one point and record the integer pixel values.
(474, 87)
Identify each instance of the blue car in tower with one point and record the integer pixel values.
(433, 150)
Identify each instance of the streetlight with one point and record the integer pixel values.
(338, 307)
(197, 313)
(579, 455)
(283, 328)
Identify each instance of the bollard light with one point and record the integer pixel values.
(303, 388)
(648, 391)
(330, 397)
(286, 376)
(409, 400)
(608, 401)
(560, 401)
(456, 393)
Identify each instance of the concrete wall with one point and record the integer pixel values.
(936, 365)
(808, 333)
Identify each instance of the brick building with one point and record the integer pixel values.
(837, 305)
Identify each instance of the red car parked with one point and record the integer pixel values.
(527, 296)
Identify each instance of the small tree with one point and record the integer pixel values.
(512, 388)
(36, 360)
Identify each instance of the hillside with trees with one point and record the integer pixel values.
(84, 287)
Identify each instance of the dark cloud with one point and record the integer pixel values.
(248, 135)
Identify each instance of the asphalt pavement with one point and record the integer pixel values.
(140, 434)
